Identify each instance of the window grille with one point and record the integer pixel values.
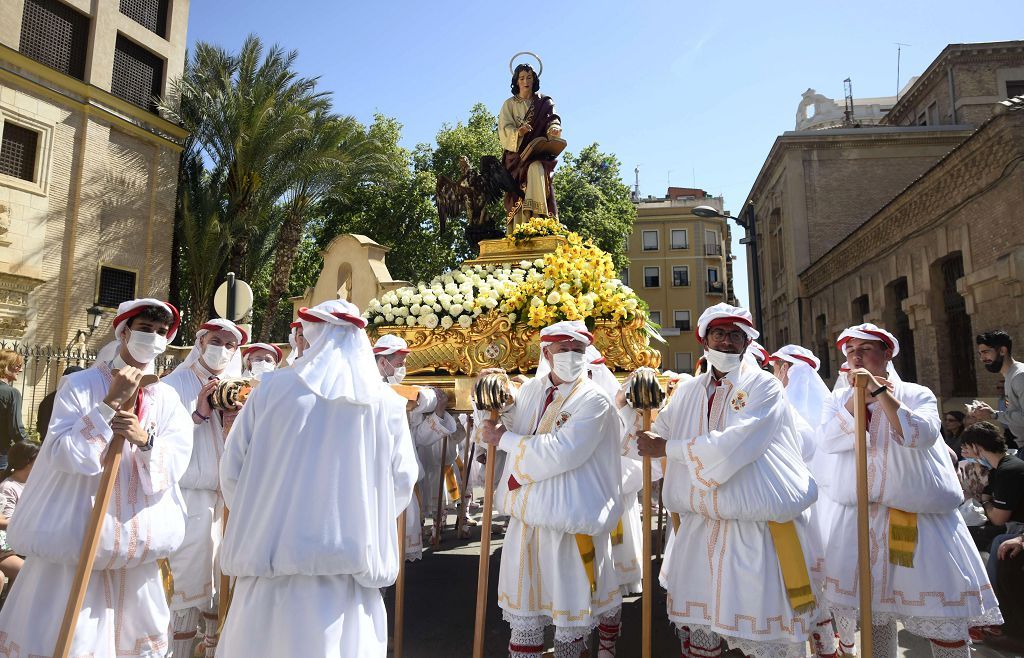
(116, 286)
(56, 35)
(18, 151)
(138, 74)
(150, 14)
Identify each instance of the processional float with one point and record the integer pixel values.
(487, 314)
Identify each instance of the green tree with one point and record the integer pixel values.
(593, 200)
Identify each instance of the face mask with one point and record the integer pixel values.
(145, 346)
(397, 376)
(259, 367)
(722, 361)
(217, 357)
(569, 366)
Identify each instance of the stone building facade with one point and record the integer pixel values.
(912, 224)
(679, 264)
(88, 169)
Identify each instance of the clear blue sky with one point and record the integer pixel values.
(693, 93)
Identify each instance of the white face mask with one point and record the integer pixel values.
(217, 357)
(257, 368)
(398, 376)
(722, 361)
(145, 346)
(569, 366)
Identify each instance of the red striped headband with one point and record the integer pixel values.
(213, 326)
(351, 319)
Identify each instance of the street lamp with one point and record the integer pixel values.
(95, 315)
(750, 240)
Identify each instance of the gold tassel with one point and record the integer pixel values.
(794, 569)
(585, 544)
(618, 534)
(902, 537)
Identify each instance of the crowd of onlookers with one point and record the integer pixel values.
(983, 443)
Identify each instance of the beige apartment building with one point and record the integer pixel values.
(679, 264)
(912, 223)
(88, 169)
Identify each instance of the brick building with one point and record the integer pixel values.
(88, 169)
(925, 242)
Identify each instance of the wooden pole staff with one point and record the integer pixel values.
(648, 567)
(863, 542)
(485, 550)
(93, 530)
(224, 583)
(400, 590)
(439, 511)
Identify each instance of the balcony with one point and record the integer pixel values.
(712, 250)
(715, 288)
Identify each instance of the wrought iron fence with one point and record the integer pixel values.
(44, 366)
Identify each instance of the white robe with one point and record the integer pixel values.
(125, 612)
(428, 433)
(947, 589)
(193, 564)
(570, 483)
(727, 476)
(315, 487)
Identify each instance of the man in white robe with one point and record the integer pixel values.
(295, 341)
(260, 358)
(214, 356)
(428, 424)
(561, 486)
(739, 568)
(318, 466)
(125, 611)
(925, 570)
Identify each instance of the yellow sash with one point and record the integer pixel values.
(585, 544)
(618, 534)
(794, 568)
(451, 483)
(902, 537)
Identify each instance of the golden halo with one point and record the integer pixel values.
(540, 64)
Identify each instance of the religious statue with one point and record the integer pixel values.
(472, 193)
(530, 134)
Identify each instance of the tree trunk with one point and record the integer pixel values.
(287, 246)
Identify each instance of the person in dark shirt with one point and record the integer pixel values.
(1003, 499)
(46, 406)
(12, 429)
(952, 428)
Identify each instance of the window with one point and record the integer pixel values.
(682, 320)
(714, 285)
(680, 275)
(655, 317)
(933, 113)
(18, 151)
(624, 276)
(138, 74)
(712, 245)
(859, 309)
(922, 119)
(150, 14)
(116, 286)
(650, 240)
(684, 362)
(680, 239)
(652, 277)
(55, 35)
(1014, 88)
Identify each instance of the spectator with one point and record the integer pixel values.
(46, 406)
(1011, 440)
(11, 428)
(1003, 498)
(1009, 586)
(22, 456)
(952, 427)
(995, 349)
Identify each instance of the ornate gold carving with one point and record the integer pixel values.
(493, 341)
(505, 250)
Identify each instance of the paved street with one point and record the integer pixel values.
(441, 599)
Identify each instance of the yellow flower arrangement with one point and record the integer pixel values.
(538, 227)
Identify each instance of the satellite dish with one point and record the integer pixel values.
(243, 300)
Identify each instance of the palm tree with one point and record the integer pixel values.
(244, 113)
(334, 154)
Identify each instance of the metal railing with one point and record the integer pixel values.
(44, 366)
(716, 287)
(712, 250)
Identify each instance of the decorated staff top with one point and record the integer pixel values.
(492, 391)
(644, 391)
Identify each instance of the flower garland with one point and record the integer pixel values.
(576, 282)
(538, 227)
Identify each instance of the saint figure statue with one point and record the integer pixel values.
(530, 134)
